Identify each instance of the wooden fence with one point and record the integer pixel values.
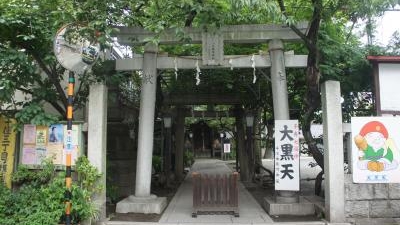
(215, 194)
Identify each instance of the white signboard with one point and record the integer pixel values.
(227, 147)
(389, 79)
(287, 157)
(375, 152)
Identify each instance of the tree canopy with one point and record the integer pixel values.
(27, 62)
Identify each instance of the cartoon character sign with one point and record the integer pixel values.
(375, 156)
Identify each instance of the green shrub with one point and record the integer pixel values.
(156, 163)
(40, 197)
(188, 158)
(6, 201)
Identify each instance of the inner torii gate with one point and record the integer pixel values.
(212, 57)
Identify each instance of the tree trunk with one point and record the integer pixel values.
(241, 148)
(257, 139)
(312, 98)
(179, 143)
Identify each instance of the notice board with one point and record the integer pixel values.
(41, 142)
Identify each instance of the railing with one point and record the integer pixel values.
(215, 194)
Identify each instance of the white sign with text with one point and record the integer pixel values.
(227, 148)
(287, 155)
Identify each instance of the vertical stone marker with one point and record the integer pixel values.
(333, 154)
(97, 138)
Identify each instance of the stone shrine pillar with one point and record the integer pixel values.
(285, 202)
(97, 138)
(280, 99)
(142, 201)
(333, 154)
(278, 80)
(146, 122)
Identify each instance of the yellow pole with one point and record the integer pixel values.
(68, 149)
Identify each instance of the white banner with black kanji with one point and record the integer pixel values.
(287, 155)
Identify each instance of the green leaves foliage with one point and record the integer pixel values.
(34, 113)
(40, 197)
(83, 190)
(27, 28)
(27, 61)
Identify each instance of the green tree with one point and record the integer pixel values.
(27, 62)
(319, 12)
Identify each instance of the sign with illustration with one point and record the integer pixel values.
(287, 155)
(7, 143)
(375, 152)
(40, 142)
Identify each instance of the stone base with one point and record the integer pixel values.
(301, 208)
(287, 199)
(339, 224)
(146, 205)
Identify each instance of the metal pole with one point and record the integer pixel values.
(202, 135)
(68, 149)
(222, 147)
(168, 154)
(236, 148)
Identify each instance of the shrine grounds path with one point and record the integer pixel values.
(179, 210)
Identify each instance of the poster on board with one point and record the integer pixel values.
(29, 155)
(56, 134)
(40, 142)
(29, 134)
(41, 135)
(375, 152)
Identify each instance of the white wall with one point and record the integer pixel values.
(389, 81)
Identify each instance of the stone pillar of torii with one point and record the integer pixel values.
(212, 57)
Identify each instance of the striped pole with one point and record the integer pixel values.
(68, 149)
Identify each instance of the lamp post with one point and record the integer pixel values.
(202, 138)
(249, 119)
(221, 135)
(191, 143)
(167, 153)
(249, 140)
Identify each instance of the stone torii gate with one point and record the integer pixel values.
(212, 57)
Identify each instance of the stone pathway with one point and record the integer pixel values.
(179, 209)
